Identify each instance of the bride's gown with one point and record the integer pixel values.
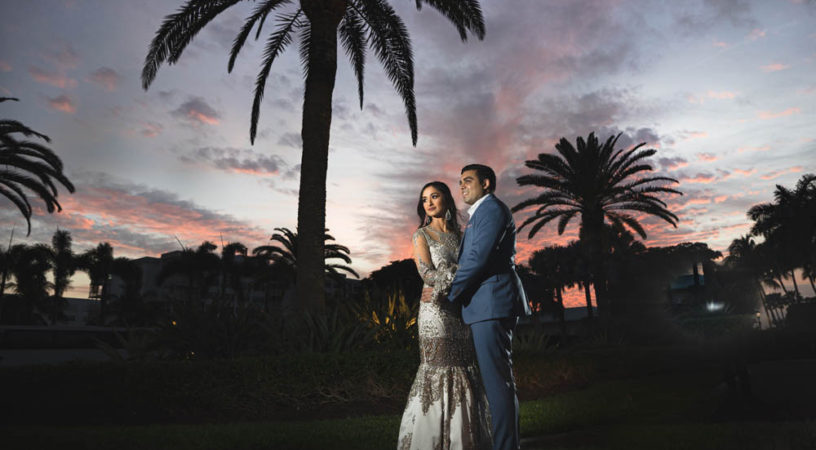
(447, 407)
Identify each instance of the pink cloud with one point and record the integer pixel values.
(197, 110)
(105, 77)
(764, 148)
(52, 78)
(62, 103)
(745, 173)
(151, 129)
(4, 66)
(699, 178)
(767, 115)
(756, 33)
(721, 95)
(689, 135)
(707, 157)
(64, 58)
(777, 173)
(720, 44)
(775, 67)
(143, 217)
(720, 199)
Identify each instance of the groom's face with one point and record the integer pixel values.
(470, 186)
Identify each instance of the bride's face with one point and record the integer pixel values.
(433, 202)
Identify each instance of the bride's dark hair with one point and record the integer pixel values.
(450, 205)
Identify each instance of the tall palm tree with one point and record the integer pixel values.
(28, 165)
(98, 262)
(596, 182)
(64, 261)
(317, 23)
(789, 225)
(285, 259)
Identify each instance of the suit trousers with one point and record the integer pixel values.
(493, 339)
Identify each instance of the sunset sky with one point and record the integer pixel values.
(724, 89)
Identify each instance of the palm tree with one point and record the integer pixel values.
(317, 23)
(284, 257)
(98, 262)
(789, 225)
(581, 272)
(554, 264)
(64, 261)
(129, 307)
(599, 183)
(29, 267)
(234, 266)
(28, 165)
(200, 267)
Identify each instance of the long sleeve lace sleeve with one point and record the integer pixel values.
(438, 276)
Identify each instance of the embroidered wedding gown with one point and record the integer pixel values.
(447, 407)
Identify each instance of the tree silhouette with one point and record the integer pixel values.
(595, 181)
(28, 165)
(200, 267)
(317, 23)
(788, 225)
(98, 263)
(29, 265)
(284, 257)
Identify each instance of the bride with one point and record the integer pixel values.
(447, 406)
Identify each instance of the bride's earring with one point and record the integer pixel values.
(427, 220)
(447, 216)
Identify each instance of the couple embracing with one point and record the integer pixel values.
(464, 394)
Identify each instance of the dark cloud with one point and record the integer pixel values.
(236, 160)
(668, 164)
(709, 15)
(196, 110)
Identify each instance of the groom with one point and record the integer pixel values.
(492, 296)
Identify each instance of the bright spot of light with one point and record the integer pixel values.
(714, 306)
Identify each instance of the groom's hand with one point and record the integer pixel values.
(427, 295)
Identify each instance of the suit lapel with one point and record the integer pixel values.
(467, 225)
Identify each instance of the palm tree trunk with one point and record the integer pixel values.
(561, 318)
(795, 284)
(782, 284)
(588, 296)
(324, 17)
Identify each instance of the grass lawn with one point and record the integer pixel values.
(667, 412)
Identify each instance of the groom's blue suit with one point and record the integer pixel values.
(492, 298)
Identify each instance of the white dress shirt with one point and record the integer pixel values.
(472, 209)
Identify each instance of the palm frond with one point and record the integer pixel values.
(463, 14)
(389, 39)
(177, 31)
(274, 46)
(353, 37)
(13, 126)
(258, 16)
(630, 221)
(17, 196)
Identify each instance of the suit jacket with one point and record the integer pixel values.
(486, 282)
